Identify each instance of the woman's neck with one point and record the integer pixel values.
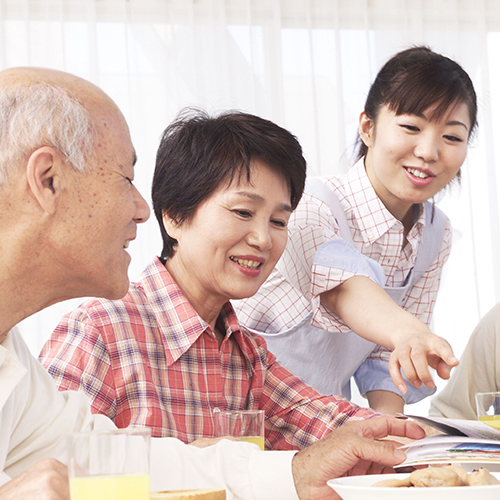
(207, 307)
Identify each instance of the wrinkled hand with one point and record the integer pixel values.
(352, 449)
(415, 353)
(429, 431)
(46, 480)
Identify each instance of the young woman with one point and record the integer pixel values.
(373, 226)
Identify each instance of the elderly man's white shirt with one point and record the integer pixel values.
(35, 419)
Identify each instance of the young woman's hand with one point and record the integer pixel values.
(414, 353)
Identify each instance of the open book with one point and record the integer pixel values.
(467, 442)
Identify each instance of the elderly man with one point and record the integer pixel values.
(478, 371)
(68, 211)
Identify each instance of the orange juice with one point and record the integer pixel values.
(494, 421)
(120, 487)
(258, 440)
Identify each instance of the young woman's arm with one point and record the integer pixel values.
(369, 311)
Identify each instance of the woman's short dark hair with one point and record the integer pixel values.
(415, 79)
(198, 153)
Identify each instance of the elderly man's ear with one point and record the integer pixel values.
(44, 173)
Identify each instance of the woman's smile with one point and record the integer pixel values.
(419, 176)
(252, 263)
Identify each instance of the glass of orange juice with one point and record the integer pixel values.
(488, 408)
(109, 465)
(245, 425)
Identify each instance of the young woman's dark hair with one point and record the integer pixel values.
(416, 79)
(198, 153)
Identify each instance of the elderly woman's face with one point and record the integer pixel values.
(234, 240)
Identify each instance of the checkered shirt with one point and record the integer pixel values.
(150, 360)
(294, 287)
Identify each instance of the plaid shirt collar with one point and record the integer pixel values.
(182, 326)
(358, 187)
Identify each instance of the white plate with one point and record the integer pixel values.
(360, 488)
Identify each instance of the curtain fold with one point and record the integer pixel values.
(306, 64)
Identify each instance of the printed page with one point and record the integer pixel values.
(455, 427)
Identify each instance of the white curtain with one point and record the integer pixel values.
(307, 65)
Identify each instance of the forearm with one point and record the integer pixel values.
(385, 402)
(369, 311)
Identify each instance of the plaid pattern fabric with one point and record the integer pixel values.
(293, 288)
(150, 360)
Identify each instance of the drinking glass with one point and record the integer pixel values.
(109, 465)
(245, 425)
(488, 408)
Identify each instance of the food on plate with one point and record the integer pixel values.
(194, 494)
(482, 476)
(394, 483)
(439, 476)
(450, 475)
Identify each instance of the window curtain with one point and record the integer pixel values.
(305, 64)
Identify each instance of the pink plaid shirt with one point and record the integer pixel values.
(150, 360)
(293, 289)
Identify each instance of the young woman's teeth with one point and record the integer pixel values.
(252, 264)
(417, 173)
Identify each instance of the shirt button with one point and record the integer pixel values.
(370, 234)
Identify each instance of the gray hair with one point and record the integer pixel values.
(40, 114)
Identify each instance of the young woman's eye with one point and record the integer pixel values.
(279, 223)
(411, 128)
(453, 138)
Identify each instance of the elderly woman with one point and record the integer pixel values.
(172, 350)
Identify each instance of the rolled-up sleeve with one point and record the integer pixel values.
(373, 375)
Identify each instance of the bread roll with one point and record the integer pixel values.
(196, 494)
